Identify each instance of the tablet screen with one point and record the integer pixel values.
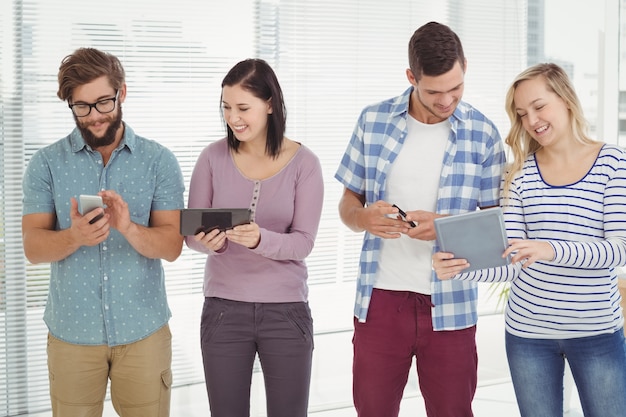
(193, 221)
(221, 220)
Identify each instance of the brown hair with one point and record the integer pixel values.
(433, 50)
(84, 66)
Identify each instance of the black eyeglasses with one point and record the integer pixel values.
(106, 105)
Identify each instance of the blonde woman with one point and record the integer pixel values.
(564, 198)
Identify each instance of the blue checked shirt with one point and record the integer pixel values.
(107, 294)
(473, 164)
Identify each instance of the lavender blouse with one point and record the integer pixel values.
(287, 207)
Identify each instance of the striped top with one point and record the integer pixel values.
(576, 294)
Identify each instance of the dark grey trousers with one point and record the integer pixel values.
(232, 334)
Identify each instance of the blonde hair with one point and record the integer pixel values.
(519, 140)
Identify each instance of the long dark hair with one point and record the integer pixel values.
(257, 77)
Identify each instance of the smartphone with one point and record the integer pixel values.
(89, 203)
(403, 215)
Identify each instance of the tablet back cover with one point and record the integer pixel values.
(194, 220)
(478, 236)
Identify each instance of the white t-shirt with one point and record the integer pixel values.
(413, 184)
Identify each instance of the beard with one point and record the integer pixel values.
(109, 136)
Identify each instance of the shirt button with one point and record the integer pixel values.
(106, 278)
(106, 307)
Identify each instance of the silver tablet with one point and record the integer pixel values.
(478, 236)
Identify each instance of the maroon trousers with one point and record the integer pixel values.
(398, 328)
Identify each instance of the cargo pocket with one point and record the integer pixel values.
(166, 393)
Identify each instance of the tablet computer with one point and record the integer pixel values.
(478, 236)
(195, 220)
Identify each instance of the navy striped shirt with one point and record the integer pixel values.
(576, 294)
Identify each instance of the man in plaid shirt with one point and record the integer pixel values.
(432, 154)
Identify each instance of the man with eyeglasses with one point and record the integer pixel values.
(107, 310)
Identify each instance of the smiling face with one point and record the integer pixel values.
(245, 114)
(435, 98)
(543, 113)
(99, 130)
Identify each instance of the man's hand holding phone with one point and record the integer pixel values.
(422, 223)
(380, 219)
(89, 203)
(85, 213)
(403, 215)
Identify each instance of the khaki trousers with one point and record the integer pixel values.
(140, 375)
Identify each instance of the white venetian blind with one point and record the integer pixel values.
(175, 55)
(332, 58)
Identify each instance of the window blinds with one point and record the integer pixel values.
(332, 58)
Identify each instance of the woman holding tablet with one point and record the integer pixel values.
(255, 283)
(563, 200)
